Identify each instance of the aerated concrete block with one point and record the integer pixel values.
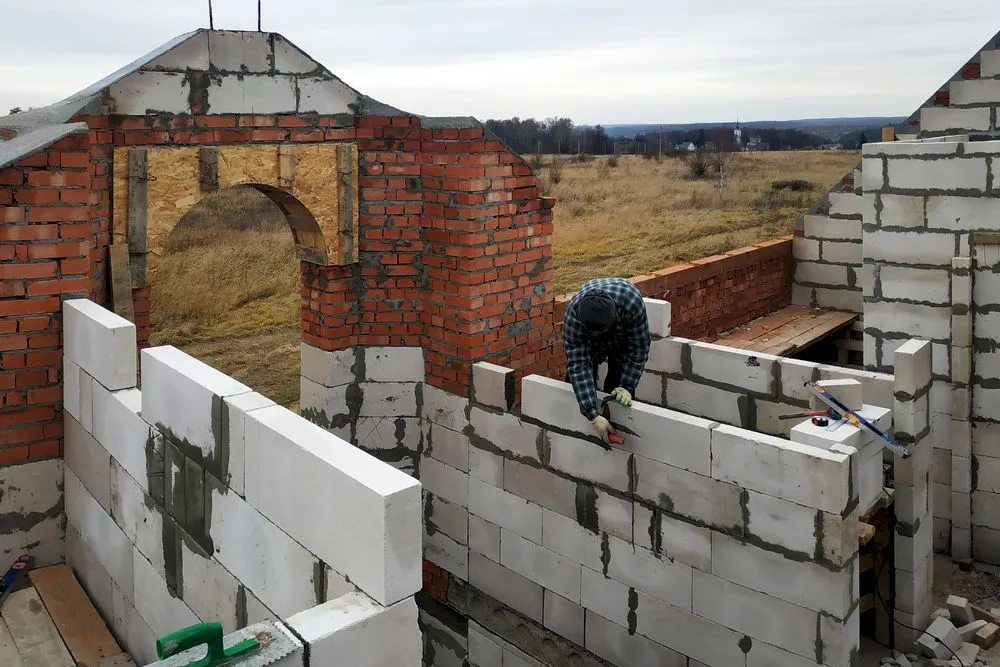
(237, 408)
(320, 470)
(507, 586)
(486, 467)
(605, 596)
(183, 398)
(71, 389)
(540, 486)
(394, 364)
(101, 534)
(850, 392)
(484, 537)
(446, 445)
(536, 563)
(323, 95)
(701, 400)
(807, 475)
(352, 630)
(566, 537)
(253, 94)
(940, 636)
(100, 342)
(210, 591)
(446, 409)
(658, 316)
(493, 385)
(137, 93)
(139, 517)
(288, 59)
(506, 510)
(128, 437)
(563, 617)
(665, 580)
(239, 51)
(910, 247)
(446, 552)
(88, 460)
(330, 369)
(483, 650)
(618, 646)
(736, 369)
(686, 494)
(161, 611)
(252, 548)
(803, 583)
(388, 399)
(508, 433)
(774, 621)
(945, 119)
(445, 481)
(587, 460)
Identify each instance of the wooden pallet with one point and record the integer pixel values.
(50, 622)
(788, 330)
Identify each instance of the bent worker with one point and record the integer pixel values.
(605, 321)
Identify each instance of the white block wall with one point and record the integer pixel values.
(195, 499)
(638, 552)
(925, 277)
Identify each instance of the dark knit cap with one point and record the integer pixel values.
(597, 311)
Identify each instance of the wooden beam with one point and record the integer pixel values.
(121, 282)
(138, 213)
(888, 134)
(86, 636)
(346, 187)
(288, 160)
(208, 168)
(985, 238)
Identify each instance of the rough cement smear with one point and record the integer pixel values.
(586, 507)
(633, 604)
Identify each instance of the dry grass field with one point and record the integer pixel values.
(226, 289)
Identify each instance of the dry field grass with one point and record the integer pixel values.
(226, 289)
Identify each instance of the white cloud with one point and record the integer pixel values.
(629, 61)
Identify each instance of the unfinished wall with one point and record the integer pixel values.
(828, 259)
(925, 253)
(198, 499)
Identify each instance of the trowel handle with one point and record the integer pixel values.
(616, 439)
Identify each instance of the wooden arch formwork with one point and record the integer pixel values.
(314, 185)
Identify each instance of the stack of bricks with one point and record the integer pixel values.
(45, 232)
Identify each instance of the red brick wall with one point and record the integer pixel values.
(710, 295)
(45, 243)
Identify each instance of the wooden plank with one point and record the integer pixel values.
(288, 159)
(34, 633)
(9, 655)
(888, 134)
(208, 168)
(803, 334)
(781, 343)
(121, 282)
(347, 189)
(985, 238)
(866, 532)
(763, 325)
(80, 625)
(138, 214)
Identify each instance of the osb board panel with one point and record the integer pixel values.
(174, 187)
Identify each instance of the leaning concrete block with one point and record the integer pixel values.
(939, 637)
(352, 630)
(183, 398)
(493, 385)
(767, 464)
(969, 630)
(987, 636)
(320, 470)
(658, 315)
(100, 342)
(961, 610)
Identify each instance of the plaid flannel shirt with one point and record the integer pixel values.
(627, 341)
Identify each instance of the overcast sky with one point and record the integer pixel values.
(626, 61)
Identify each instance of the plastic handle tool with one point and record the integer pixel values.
(196, 635)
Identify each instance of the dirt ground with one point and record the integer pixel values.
(980, 587)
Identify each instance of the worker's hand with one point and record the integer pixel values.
(603, 428)
(622, 396)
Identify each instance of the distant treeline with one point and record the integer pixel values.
(561, 136)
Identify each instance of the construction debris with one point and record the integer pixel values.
(961, 610)
(987, 636)
(944, 645)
